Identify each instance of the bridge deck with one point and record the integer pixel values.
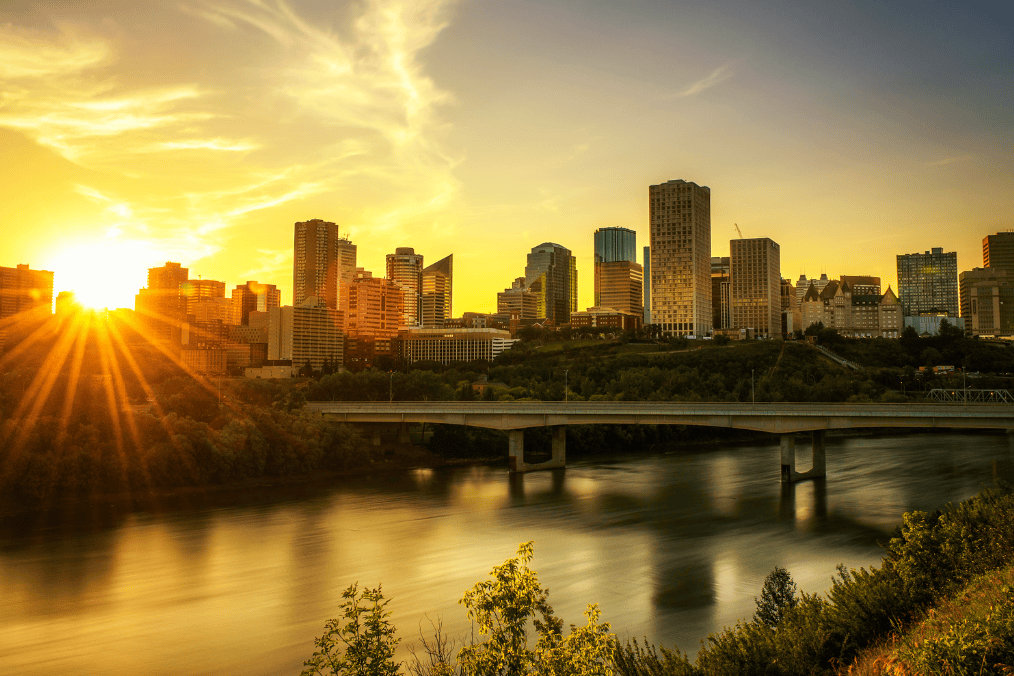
(775, 418)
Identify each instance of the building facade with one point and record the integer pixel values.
(321, 260)
(862, 285)
(196, 290)
(680, 239)
(928, 282)
(452, 345)
(311, 333)
(646, 283)
(756, 283)
(721, 292)
(605, 318)
(853, 315)
(372, 309)
(987, 302)
(23, 289)
(552, 273)
(253, 297)
(615, 244)
(405, 268)
(518, 302)
(161, 306)
(998, 251)
(437, 286)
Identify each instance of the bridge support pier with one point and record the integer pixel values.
(403, 435)
(788, 451)
(516, 451)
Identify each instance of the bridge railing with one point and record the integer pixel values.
(966, 396)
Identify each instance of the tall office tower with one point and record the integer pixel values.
(987, 302)
(405, 268)
(196, 290)
(720, 292)
(556, 269)
(928, 282)
(619, 278)
(680, 227)
(437, 283)
(998, 251)
(255, 297)
(756, 276)
(862, 285)
(791, 312)
(615, 244)
(321, 260)
(23, 289)
(647, 284)
(161, 306)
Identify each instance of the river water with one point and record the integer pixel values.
(672, 546)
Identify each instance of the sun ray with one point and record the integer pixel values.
(106, 349)
(72, 381)
(114, 414)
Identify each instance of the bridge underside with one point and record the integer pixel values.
(784, 419)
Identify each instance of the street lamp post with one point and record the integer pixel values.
(390, 391)
(753, 390)
(566, 385)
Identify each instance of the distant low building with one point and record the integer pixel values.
(205, 360)
(606, 317)
(451, 345)
(929, 324)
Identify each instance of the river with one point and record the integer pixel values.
(672, 546)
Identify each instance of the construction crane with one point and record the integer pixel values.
(738, 230)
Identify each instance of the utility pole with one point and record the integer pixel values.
(391, 388)
(566, 385)
(753, 390)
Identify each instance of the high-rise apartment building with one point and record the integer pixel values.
(405, 268)
(437, 284)
(721, 290)
(161, 306)
(998, 251)
(928, 282)
(23, 289)
(646, 283)
(310, 333)
(756, 276)
(619, 278)
(255, 297)
(556, 269)
(680, 227)
(321, 260)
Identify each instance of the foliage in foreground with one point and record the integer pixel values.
(931, 558)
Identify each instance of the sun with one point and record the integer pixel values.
(102, 275)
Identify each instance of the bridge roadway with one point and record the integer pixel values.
(781, 418)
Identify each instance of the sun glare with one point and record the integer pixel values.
(104, 275)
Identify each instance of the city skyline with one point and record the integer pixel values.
(882, 123)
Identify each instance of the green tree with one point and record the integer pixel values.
(777, 597)
(502, 607)
(360, 643)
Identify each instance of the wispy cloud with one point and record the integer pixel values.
(715, 77)
(947, 160)
(314, 110)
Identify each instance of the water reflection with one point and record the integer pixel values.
(672, 546)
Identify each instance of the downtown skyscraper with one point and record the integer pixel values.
(680, 237)
(322, 261)
(552, 273)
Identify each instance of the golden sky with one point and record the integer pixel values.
(136, 132)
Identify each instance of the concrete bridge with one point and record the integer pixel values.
(785, 419)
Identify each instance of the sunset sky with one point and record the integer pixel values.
(136, 132)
